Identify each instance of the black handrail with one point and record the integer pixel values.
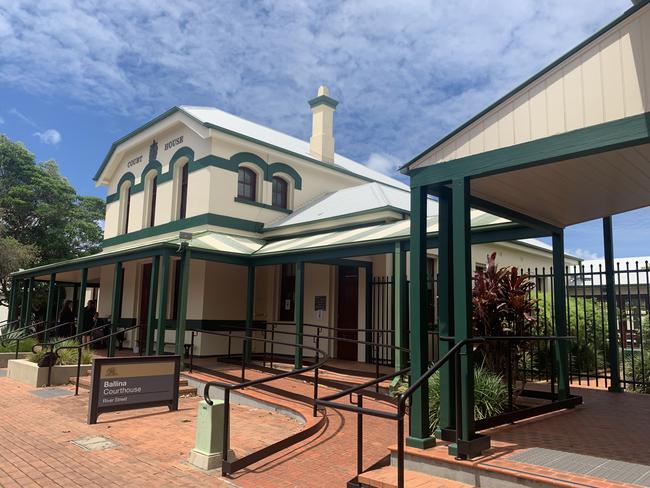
(79, 348)
(17, 329)
(68, 338)
(228, 387)
(328, 401)
(33, 334)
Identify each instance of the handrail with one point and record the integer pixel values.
(17, 329)
(81, 346)
(328, 401)
(74, 336)
(33, 334)
(228, 387)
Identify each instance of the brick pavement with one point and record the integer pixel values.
(36, 448)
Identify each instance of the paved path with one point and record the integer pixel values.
(36, 437)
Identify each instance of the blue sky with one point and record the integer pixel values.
(75, 76)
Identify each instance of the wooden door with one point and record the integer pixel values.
(348, 312)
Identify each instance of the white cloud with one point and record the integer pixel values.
(49, 136)
(384, 163)
(406, 72)
(585, 254)
(22, 116)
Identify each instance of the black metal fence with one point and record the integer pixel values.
(586, 321)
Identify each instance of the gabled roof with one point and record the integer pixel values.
(364, 198)
(638, 5)
(214, 118)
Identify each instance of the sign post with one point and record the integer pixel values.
(127, 383)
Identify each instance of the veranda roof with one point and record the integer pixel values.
(570, 145)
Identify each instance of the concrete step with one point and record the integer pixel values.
(386, 477)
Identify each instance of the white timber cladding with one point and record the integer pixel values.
(606, 80)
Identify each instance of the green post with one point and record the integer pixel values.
(612, 319)
(445, 312)
(162, 305)
(23, 304)
(462, 289)
(181, 323)
(559, 302)
(299, 309)
(118, 276)
(368, 305)
(28, 305)
(419, 428)
(250, 303)
(50, 313)
(81, 316)
(400, 303)
(13, 299)
(151, 310)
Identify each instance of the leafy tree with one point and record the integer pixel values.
(42, 218)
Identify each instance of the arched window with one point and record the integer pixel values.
(280, 192)
(125, 199)
(151, 193)
(182, 212)
(247, 184)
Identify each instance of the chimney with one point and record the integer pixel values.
(321, 142)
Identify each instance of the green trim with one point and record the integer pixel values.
(285, 168)
(116, 302)
(262, 205)
(513, 215)
(231, 164)
(528, 82)
(184, 282)
(612, 316)
(162, 304)
(303, 157)
(323, 100)
(609, 136)
(250, 306)
(299, 309)
(82, 298)
(559, 306)
(151, 305)
(180, 224)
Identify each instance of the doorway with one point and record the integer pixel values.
(348, 312)
(143, 316)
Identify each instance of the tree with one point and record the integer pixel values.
(42, 218)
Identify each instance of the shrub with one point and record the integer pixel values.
(638, 377)
(490, 395)
(66, 356)
(25, 345)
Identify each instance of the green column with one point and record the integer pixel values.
(151, 310)
(250, 303)
(23, 304)
(368, 307)
(445, 311)
(400, 291)
(162, 305)
(462, 289)
(50, 308)
(13, 299)
(82, 298)
(559, 302)
(28, 305)
(181, 323)
(419, 429)
(118, 276)
(612, 319)
(299, 312)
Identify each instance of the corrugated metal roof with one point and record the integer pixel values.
(362, 198)
(219, 118)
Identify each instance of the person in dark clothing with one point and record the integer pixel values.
(66, 316)
(90, 318)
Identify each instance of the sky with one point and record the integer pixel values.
(77, 75)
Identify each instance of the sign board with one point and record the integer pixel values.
(320, 302)
(133, 382)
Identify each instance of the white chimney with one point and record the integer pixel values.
(321, 142)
